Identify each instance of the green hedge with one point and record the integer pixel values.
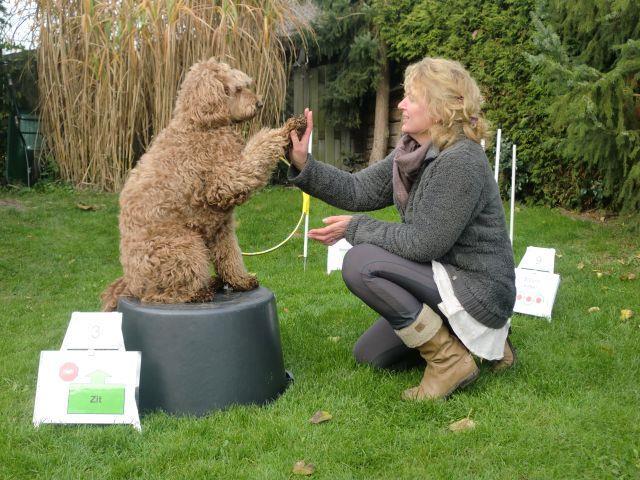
(491, 40)
(498, 41)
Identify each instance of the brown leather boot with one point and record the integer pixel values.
(450, 366)
(509, 360)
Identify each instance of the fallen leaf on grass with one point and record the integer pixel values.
(626, 314)
(83, 206)
(628, 276)
(461, 425)
(608, 349)
(580, 266)
(320, 416)
(594, 309)
(303, 468)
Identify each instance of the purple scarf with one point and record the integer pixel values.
(406, 164)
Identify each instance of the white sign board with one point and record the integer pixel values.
(336, 253)
(94, 331)
(87, 387)
(536, 292)
(541, 259)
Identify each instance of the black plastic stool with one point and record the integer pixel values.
(206, 356)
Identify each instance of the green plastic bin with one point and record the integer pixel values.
(22, 156)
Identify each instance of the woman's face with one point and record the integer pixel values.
(415, 118)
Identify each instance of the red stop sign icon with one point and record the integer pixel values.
(68, 371)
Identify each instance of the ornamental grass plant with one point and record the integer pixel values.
(109, 71)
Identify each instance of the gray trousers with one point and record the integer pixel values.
(396, 289)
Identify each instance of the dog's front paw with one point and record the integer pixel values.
(243, 284)
(297, 123)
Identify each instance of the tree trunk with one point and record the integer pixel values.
(381, 123)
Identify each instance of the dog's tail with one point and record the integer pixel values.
(110, 295)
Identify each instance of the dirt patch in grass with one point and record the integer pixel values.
(15, 204)
(594, 216)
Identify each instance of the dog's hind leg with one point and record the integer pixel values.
(170, 269)
(111, 294)
(227, 259)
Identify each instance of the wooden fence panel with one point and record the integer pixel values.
(313, 101)
(333, 146)
(298, 96)
(319, 116)
(329, 145)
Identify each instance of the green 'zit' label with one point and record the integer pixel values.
(105, 399)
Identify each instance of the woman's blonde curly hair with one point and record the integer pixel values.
(451, 95)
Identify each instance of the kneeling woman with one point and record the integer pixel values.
(443, 279)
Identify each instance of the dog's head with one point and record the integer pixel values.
(214, 94)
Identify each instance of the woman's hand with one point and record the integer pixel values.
(334, 231)
(300, 146)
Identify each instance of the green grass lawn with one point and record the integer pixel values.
(570, 409)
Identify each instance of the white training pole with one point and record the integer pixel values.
(498, 141)
(513, 193)
(306, 216)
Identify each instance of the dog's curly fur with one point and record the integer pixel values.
(176, 207)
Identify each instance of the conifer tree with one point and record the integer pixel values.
(346, 42)
(590, 62)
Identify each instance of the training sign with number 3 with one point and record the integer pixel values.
(77, 387)
(92, 385)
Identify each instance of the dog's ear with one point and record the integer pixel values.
(202, 96)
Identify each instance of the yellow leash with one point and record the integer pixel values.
(306, 203)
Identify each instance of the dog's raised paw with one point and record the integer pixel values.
(297, 123)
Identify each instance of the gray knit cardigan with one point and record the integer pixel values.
(453, 215)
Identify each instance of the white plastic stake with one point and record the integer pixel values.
(498, 141)
(306, 240)
(306, 216)
(513, 193)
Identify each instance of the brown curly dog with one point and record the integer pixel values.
(176, 207)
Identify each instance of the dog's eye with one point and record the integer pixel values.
(238, 89)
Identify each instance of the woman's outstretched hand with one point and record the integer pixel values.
(300, 146)
(336, 225)
(334, 231)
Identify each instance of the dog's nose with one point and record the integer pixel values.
(259, 104)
